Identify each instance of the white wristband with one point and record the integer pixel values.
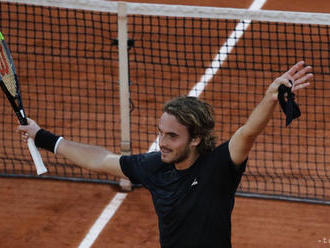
(57, 143)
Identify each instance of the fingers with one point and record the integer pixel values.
(25, 137)
(296, 68)
(23, 128)
(302, 78)
(300, 75)
(24, 132)
(301, 72)
(297, 77)
(29, 130)
(302, 82)
(288, 81)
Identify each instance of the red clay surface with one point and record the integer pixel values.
(42, 213)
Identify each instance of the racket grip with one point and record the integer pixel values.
(35, 154)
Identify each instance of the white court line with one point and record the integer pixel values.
(102, 220)
(219, 59)
(224, 51)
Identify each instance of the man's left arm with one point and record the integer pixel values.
(242, 141)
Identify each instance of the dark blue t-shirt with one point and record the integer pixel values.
(193, 205)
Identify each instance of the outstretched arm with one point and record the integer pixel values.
(87, 156)
(243, 139)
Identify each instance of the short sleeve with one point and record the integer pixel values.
(138, 167)
(228, 174)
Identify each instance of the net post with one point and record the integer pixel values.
(123, 79)
(125, 145)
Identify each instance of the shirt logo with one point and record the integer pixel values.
(195, 182)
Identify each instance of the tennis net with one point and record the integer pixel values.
(67, 58)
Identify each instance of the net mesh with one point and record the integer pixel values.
(173, 54)
(67, 67)
(67, 61)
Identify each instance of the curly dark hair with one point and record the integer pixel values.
(197, 116)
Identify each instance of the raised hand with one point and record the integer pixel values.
(296, 78)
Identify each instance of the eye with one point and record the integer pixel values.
(173, 135)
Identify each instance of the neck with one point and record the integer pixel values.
(189, 161)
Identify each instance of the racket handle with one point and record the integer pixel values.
(35, 154)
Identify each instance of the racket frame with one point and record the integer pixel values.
(17, 105)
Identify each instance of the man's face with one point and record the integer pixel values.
(174, 140)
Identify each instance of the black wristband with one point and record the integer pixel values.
(46, 140)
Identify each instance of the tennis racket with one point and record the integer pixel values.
(10, 86)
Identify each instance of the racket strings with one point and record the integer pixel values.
(10, 83)
(7, 75)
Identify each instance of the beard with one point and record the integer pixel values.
(180, 157)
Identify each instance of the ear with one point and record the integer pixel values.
(196, 141)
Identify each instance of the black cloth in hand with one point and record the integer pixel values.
(288, 104)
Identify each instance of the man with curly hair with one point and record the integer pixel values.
(192, 181)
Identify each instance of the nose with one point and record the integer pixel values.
(162, 140)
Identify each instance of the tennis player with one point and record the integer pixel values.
(192, 181)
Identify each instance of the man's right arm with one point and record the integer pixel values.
(91, 157)
(87, 156)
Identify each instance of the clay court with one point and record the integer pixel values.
(55, 213)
